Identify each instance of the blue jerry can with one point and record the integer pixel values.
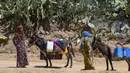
(118, 52)
(127, 52)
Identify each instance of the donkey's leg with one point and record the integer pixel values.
(46, 62)
(111, 64)
(46, 59)
(128, 62)
(71, 63)
(107, 64)
(49, 57)
(67, 59)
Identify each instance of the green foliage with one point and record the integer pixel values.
(35, 13)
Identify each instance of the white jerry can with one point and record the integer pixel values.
(50, 46)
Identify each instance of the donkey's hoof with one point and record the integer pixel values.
(65, 66)
(106, 69)
(70, 66)
(50, 66)
(128, 69)
(46, 66)
(113, 70)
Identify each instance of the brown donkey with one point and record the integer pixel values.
(106, 52)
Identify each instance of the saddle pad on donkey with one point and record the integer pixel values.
(64, 52)
(59, 44)
(58, 49)
(41, 56)
(52, 55)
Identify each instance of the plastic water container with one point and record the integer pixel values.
(50, 46)
(118, 52)
(127, 52)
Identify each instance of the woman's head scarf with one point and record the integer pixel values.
(20, 29)
(20, 32)
(86, 34)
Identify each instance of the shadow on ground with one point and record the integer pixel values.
(55, 67)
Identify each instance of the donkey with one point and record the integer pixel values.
(104, 49)
(42, 44)
(106, 52)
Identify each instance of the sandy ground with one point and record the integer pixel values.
(8, 63)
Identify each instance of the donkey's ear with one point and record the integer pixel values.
(96, 35)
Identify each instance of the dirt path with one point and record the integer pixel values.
(37, 66)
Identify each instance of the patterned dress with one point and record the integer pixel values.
(22, 59)
(85, 49)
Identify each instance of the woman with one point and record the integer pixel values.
(85, 50)
(19, 43)
(85, 47)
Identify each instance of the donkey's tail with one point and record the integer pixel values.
(71, 49)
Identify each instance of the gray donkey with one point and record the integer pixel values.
(42, 43)
(106, 52)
